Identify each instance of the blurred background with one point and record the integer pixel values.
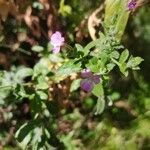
(124, 125)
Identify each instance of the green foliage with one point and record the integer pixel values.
(116, 14)
(68, 68)
(75, 85)
(23, 73)
(31, 134)
(64, 9)
(37, 48)
(42, 97)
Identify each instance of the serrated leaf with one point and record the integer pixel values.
(134, 62)
(124, 56)
(68, 68)
(75, 85)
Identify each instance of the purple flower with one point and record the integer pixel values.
(87, 85)
(132, 5)
(86, 73)
(96, 79)
(57, 41)
(89, 80)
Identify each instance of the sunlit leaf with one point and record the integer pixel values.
(75, 85)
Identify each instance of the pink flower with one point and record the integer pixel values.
(57, 41)
(132, 4)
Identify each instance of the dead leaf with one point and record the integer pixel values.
(6, 8)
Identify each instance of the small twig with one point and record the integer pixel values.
(126, 106)
(23, 51)
(19, 49)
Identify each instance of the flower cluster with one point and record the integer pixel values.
(132, 4)
(57, 41)
(89, 80)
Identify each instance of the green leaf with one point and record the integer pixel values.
(92, 44)
(37, 134)
(30, 134)
(79, 47)
(104, 58)
(94, 64)
(88, 103)
(24, 130)
(123, 69)
(42, 83)
(64, 9)
(134, 62)
(116, 15)
(41, 67)
(114, 54)
(115, 96)
(24, 143)
(68, 68)
(110, 66)
(75, 85)
(37, 48)
(55, 58)
(23, 73)
(98, 90)
(42, 95)
(38, 5)
(124, 56)
(47, 133)
(100, 105)
(20, 92)
(49, 46)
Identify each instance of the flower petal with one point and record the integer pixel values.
(132, 5)
(86, 85)
(96, 79)
(86, 73)
(57, 39)
(56, 49)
